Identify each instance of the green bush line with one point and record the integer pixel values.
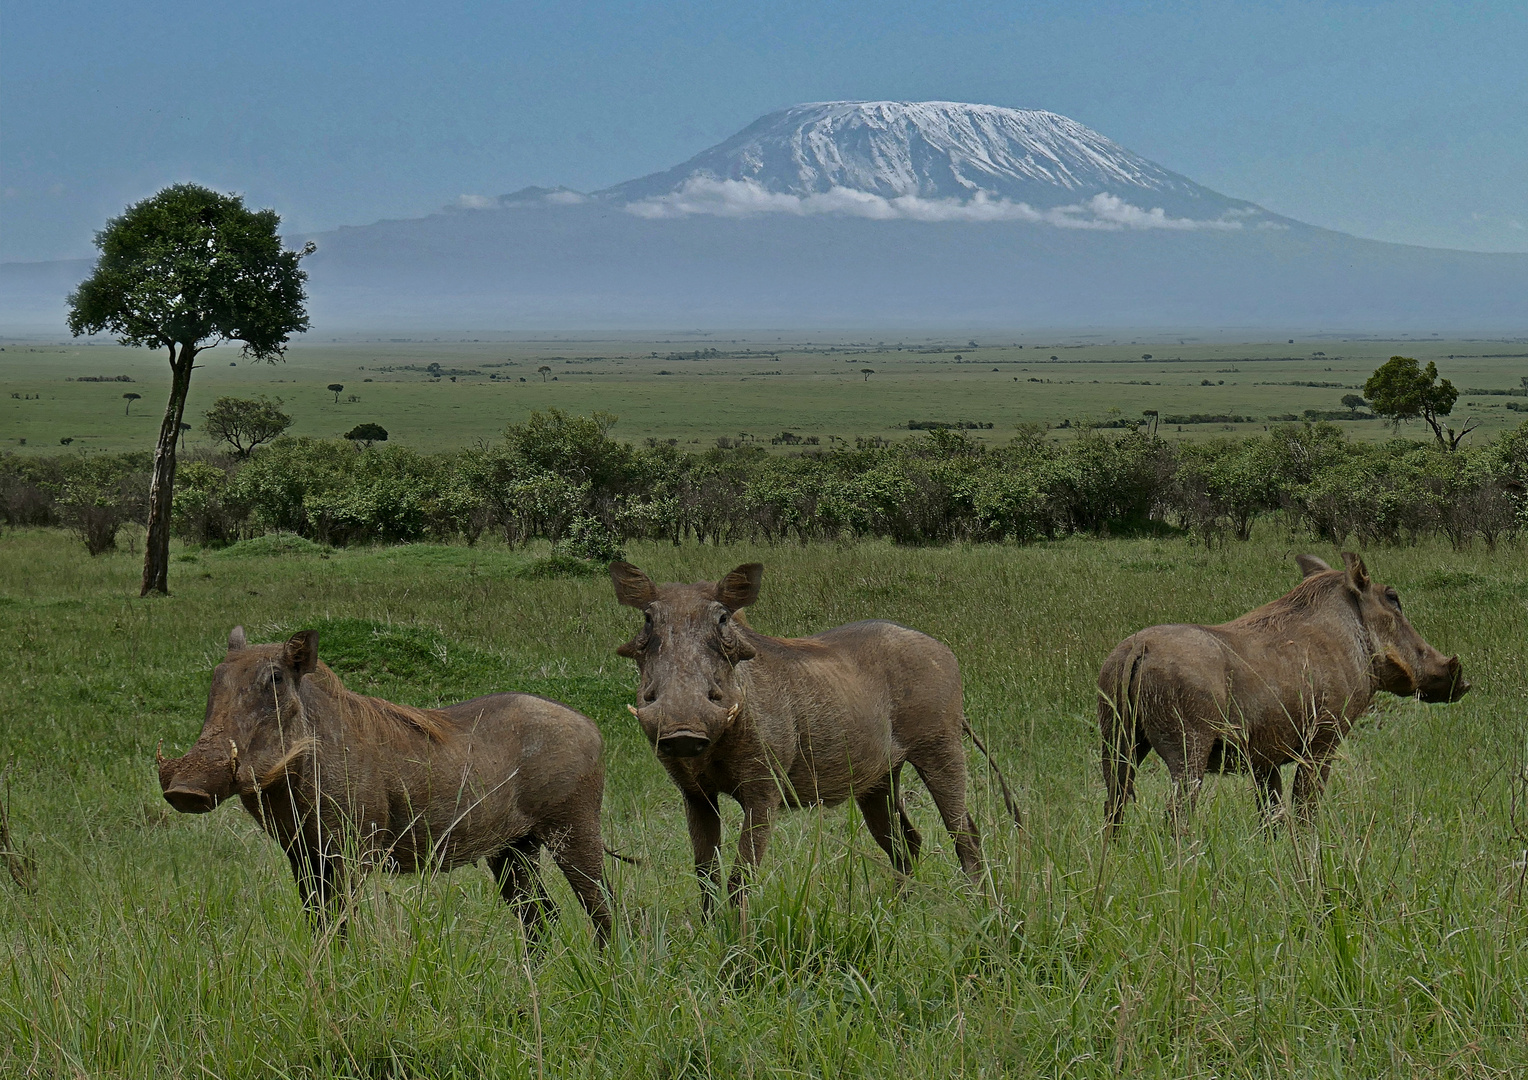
(563, 478)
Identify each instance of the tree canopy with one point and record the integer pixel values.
(1402, 389)
(190, 266)
(245, 423)
(367, 433)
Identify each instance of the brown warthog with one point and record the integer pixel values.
(1281, 684)
(797, 721)
(338, 778)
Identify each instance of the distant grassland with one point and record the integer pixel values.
(736, 387)
(1391, 941)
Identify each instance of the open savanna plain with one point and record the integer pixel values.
(697, 389)
(1390, 939)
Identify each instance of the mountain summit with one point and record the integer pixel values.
(930, 159)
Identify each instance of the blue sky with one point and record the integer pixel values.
(1397, 121)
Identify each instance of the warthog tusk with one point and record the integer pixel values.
(632, 709)
(233, 761)
(159, 754)
(732, 712)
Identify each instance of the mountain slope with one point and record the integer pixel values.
(934, 150)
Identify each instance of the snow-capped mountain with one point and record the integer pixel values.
(934, 160)
(875, 214)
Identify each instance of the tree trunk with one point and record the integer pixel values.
(156, 549)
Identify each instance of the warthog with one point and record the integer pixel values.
(796, 721)
(339, 778)
(1281, 684)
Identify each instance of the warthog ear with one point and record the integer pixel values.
(632, 587)
(740, 588)
(236, 640)
(1309, 565)
(301, 651)
(1358, 573)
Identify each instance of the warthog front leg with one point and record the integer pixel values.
(758, 820)
(318, 882)
(705, 821)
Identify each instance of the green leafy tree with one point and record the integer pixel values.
(245, 423)
(1402, 390)
(1353, 402)
(186, 270)
(367, 433)
(129, 398)
(869, 371)
(335, 389)
(545, 371)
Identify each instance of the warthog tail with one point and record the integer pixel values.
(614, 854)
(1002, 782)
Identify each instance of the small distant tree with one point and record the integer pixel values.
(1145, 356)
(1402, 390)
(336, 389)
(245, 423)
(1353, 402)
(184, 271)
(367, 433)
(867, 372)
(129, 398)
(545, 371)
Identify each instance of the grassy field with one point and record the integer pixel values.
(1389, 941)
(756, 387)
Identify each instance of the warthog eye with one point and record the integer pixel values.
(1394, 597)
(276, 677)
(721, 620)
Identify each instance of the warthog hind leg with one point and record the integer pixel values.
(945, 778)
(581, 858)
(887, 821)
(1187, 759)
(1310, 781)
(1123, 752)
(520, 885)
(1270, 793)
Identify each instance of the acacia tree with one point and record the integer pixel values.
(186, 270)
(245, 423)
(1402, 389)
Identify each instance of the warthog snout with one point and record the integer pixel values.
(189, 800)
(183, 789)
(683, 744)
(1452, 686)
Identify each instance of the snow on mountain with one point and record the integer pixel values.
(933, 161)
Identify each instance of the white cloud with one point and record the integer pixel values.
(566, 198)
(472, 202)
(744, 198)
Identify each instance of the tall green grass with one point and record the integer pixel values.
(1388, 940)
